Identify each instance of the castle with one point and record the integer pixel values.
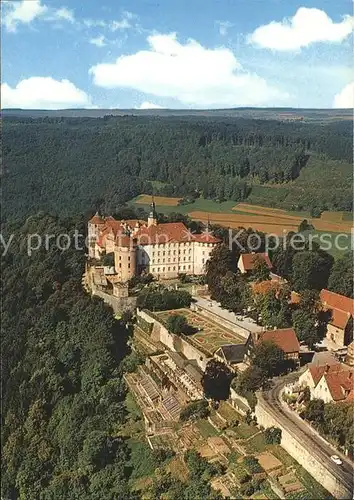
(164, 250)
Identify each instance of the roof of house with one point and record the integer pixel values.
(342, 307)
(96, 219)
(340, 384)
(248, 260)
(233, 353)
(284, 338)
(317, 371)
(265, 286)
(171, 232)
(155, 234)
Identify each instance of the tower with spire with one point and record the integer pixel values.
(152, 219)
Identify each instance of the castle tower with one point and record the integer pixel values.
(125, 258)
(94, 227)
(152, 219)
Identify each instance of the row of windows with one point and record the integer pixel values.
(170, 268)
(171, 252)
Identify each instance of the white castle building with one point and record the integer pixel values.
(164, 250)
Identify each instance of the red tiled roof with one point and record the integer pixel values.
(339, 384)
(171, 232)
(342, 307)
(265, 286)
(284, 338)
(96, 219)
(318, 371)
(249, 259)
(161, 233)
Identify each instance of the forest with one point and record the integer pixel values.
(73, 165)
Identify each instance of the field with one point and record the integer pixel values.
(211, 336)
(146, 199)
(266, 219)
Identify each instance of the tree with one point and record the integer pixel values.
(177, 323)
(314, 411)
(249, 381)
(216, 380)
(260, 270)
(309, 321)
(195, 410)
(341, 277)
(269, 358)
(220, 262)
(311, 270)
(304, 226)
(274, 308)
(272, 435)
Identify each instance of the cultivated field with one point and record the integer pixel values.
(271, 220)
(145, 199)
(211, 335)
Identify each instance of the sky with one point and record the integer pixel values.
(180, 54)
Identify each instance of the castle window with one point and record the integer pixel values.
(174, 268)
(158, 254)
(120, 265)
(168, 269)
(120, 257)
(129, 266)
(189, 267)
(203, 261)
(163, 269)
(128, 257)
(158, 269)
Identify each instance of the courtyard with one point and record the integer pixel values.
(210, 335)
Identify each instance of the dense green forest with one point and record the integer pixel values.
(63, 394)
(72, 165)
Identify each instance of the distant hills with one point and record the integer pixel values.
(282, 114)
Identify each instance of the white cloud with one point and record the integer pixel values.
(99, 41)
(27, 11)
(190, 73)
(65, 14)
(23, 12)
(149, 105)
(224, 27)
(345, 98)
(39, 92)
(120, 25)
(305, 27)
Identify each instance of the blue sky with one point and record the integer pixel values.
(176, 54)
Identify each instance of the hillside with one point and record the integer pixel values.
(71, 165)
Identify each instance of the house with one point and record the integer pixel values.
(285, 339)
(340, 326)
(164, 250)
(335, 387)
(247, 261)
(329, 382)
(231, 354)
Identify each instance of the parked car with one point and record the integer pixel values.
(336, 459)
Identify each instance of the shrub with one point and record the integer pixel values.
(272, 435)
(252, 465)
(195, 410)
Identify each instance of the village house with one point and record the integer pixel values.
(247, 261)
(285, 339)
(164, 250)
(340, 326)
(331, 383)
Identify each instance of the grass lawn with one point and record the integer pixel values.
(245, 431)
(206, 429)
(200, 204)
(255, 445)
(228, 412)
(330, 241)
(141, 459)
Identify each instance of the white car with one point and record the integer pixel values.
(336, 459)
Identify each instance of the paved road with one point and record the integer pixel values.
(303, 432)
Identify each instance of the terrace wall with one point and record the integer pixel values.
(173, 342)
(118, 304)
